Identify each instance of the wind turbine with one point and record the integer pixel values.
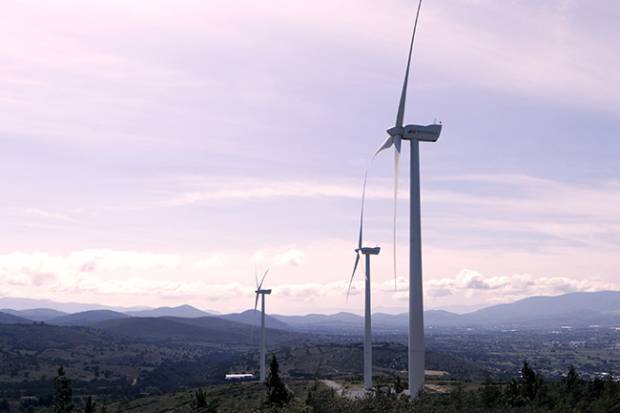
(261, 292)
(415, 134)
(367, 252)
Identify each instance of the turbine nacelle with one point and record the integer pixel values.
(428, 133)
(368, 250)
(263, 292)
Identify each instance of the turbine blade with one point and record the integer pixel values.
(256, 276)
(397, 142)
(403, 94)
(357, 260)
(359, 241)
(263, 279)
(389, 141)
(386, 144)
(256, 302)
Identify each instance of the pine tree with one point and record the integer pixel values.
(201, 404)
(277, 392)
(63, 393)
(201, 399)
(398, 385)
(89, 406)
(532, 382)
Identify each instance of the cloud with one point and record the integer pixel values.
(217, 260)
(277, 256)
(49, 215)
(505, 288)
(292, 257)
(68, 271)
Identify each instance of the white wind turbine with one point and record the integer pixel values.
(261, 292)
(367, 252)
(414, 134)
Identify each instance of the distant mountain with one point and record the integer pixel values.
(181, 311)
(87, 318)
(38, 337)
(6, 318)
(344, 323)
(347, 323)
(214, 330)
(30, 303)
(253, 317)
(575, 309)
(35, 314)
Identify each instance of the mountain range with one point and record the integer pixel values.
(574, 309)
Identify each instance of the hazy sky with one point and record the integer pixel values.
(155, 152)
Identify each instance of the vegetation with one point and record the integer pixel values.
(477, 371)
(202, 404)
(278, 394)
(63, 393)
(89, 405)
(530, 393)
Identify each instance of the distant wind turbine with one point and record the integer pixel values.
(260, 292)
(414, 134)
(367, 252)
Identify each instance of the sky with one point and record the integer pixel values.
(158, 152)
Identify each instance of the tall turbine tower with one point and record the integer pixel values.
(260, 292)
(367, 252)
(414, 134)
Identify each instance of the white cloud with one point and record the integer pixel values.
(279, 257)
(505, 288)
(218, 260)
(292, 257)
(54, 216)
(68, 271)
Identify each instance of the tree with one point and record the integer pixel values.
(62, 393)
(277, 392)
(490, 394)
(200, 400)
(398, 386)
(531, 382)
(89, 406)
(572, 379)
(5, 406)
(201, 404)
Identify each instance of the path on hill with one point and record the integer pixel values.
(360, 393)
(343, 391)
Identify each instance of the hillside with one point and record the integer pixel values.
(6, 318)
(212, 330)
(253, 317)
(42, 337)
(35, 314)
(86, 318)
(575, 308)
(179, 311)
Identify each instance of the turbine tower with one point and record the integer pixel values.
(261, 292)
(415, 134)
(367, 252)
